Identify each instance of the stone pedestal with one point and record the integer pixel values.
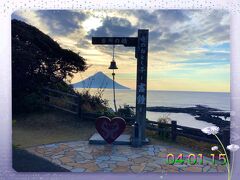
(136, 143)
(123, 139)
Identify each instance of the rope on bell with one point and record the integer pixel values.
(113, 74)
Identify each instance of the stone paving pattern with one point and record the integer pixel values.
(80, 156)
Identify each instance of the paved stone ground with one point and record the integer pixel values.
(80, 156)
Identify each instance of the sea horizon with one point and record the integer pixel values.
(227, 92)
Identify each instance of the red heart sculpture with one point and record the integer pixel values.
(109, 129)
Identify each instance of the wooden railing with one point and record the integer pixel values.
(60, 100)
(176, 130)
(70, 103)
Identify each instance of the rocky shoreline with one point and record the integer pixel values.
(202, 113)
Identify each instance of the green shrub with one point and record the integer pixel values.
(126, 111)
(164, 132)
(92, 103)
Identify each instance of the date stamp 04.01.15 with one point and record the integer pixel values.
(196, 159)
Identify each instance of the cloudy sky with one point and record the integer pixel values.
(188, 50)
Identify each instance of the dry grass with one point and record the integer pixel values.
(49, 127)
(200, 147)
(164, 119)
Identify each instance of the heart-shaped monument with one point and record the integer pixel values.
(110, 129)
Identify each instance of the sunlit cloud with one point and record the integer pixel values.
(188, 49)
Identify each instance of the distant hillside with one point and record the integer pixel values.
(98, 80)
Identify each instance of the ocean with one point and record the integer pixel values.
(172, 99)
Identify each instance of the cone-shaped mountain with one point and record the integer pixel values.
(98, 80)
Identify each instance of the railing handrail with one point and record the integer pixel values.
(194, 133)
(60, 92)
(73, 102)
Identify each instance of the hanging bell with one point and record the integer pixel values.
(113, 65)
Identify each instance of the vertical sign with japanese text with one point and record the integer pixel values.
(141, 89)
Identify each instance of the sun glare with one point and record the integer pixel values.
(91, 23)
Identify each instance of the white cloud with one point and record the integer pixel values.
(180, 40)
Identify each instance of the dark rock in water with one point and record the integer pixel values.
(202, 113)
(98, 80)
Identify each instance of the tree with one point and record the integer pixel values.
(39, 61)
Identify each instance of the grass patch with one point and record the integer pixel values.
(49, 127)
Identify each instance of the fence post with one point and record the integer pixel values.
(79, 110)
(45, 98)
(159, 129)
(174, 130)
(226, 139)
